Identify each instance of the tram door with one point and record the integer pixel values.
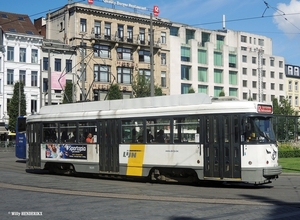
(108, 146)
(222, 147)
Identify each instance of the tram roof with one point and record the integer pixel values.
(187, 104)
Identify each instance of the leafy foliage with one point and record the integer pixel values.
(191, 90)
(68, 93)
(141, 87)
(114, 92)
(13, 106)
(222, 93)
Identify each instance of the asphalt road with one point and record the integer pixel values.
(44, 196)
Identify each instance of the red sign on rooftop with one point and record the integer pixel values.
(91, 2)
(155, 10)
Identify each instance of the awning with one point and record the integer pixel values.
(3, 130)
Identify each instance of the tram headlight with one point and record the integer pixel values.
(267, 162)
(250, 162)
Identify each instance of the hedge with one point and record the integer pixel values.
(286, 151)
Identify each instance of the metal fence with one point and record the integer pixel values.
(7, 145)
(287, 128)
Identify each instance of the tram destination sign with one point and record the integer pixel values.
(264, 108)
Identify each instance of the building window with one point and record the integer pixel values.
(22, 76)
(244, 71)
(163, 79)
(68, 66)
(34, 56)
(218, 90)
(189, 34)
(202, 74)
(271, 61)
(107, 32)
(129, 34)
(97, 28)
(82, 25)
(272, 74)
(296, 86)
(22, 55)
(233, 92)
(218, 76)
(263, 62)
(272, 86)
(254, 84)
(10, 53)
(245, 95)
(174, 31)
(33, 105)
(10, 77)
(254, 96)
(124, 53)
(261, 42)
(163, 38)
(185, 88)
(280, 64)
(281, 87)
(45, 63)
(57, 64)
(280, 75)
(232, 60)
(124, 75)
(34, 78)
(121, 32)
(101, 73)
(244, 59)
(145, 73)
(185, 72)
(202, 56)
(296, 101)
(144, 56)
(102, 51)
(263, 85)
(290, 85)
(163, 57)
(245, 83)
(142, 35)
(203, 89)
(233, 78)
(185, 54)
(218, 59)
(253, 72)
(244, 39)
(263, 73)
(254, 60)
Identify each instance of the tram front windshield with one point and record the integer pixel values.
(260, 129)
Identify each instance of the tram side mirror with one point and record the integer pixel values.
(21, 125)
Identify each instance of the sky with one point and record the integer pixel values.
(276, 19)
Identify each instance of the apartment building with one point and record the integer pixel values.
(113, 46)
(292, 73)
(19, 60)
(239, 64)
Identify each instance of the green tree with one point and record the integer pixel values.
(276, 107)
(141, 86)
(68, 93)
(13, 106)
(222, 93)
(191, 90)
(114, 92)
(157, 91)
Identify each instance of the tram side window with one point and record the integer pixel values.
(185, 129)
(68, 133)
(132, 131)
(50, 132)
(84, 128)
(158, 130)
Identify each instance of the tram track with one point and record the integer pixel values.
(131, 196)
